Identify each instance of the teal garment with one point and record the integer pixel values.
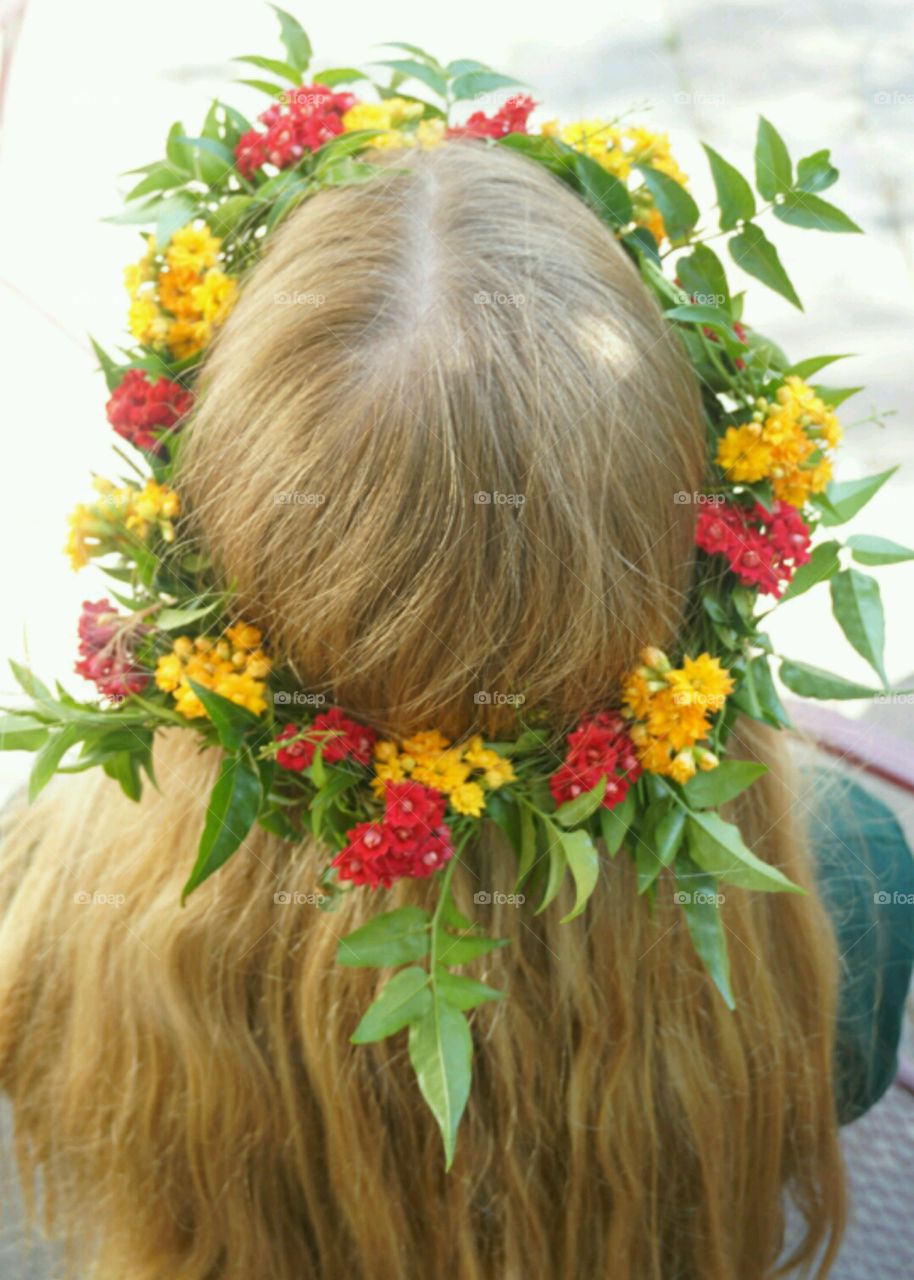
(865, 874)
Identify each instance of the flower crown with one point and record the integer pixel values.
(648, 775)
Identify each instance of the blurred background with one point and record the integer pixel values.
(89, 90)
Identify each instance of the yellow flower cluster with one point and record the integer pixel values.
(670, 710)
(178, 300)
(234, 666)
(392, 115)
(99, 526)
(430, 758)
(785, 442)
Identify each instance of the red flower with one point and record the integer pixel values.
(511, 117)
(763, 547)
(365, 859)
(342, 739)
(106, 653)
(142, 411)
(302, 120)
(410, 805)
(600, 747)
(379, 854)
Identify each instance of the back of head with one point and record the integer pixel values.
(438, 453)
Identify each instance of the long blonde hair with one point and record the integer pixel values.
(441, 453)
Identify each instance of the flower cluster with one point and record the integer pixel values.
(143, 410)
(400, 120)
(412, 840)
(233, 665)
(599, 748)
(119, 516)
(785, 442)
(339, 737)
(300, 120)
(178, 300)
(106, 647)
(763, 548)
(462, 773)
(511, 117)
(670, 709)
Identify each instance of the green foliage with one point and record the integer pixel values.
(734, 194)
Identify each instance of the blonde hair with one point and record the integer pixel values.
(183, 1079)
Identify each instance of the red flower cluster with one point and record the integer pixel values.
(139, 408)
(412, 839)
(106, 656)
(763, 547)
(511, 117)
(301, 120)
(343, 739)
(600, 747)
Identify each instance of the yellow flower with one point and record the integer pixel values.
(78, 546)
(500, 773)
(468, 799)
(430, 133)
(426, 744)
(679, 724)
(215, 297)
(744, 455)
(244, 636)
(234, 673)
(636, 696)
(176, 292)
(381, 115)
(682, 767)
(701, 681)
(186, 337)
(192, 247)
(146, 322)
(600, 140)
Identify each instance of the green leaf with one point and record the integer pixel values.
(455, 951)
(615, 822)
(734, 194)
(232, 810)
(679, 211)
(49, 757)
(806, 368)
(473, 83)
(606, 195)
(171, 215)
(462, 992)
(773, 170)
(415, 50)
(813, 682)
(441, 1053)
(867, 549)
(816, 172)
(284, 70)
(835, 396)
(555, 852)
(333, 76)
(124, 768)
(179, 156)
(161, 177)
(757, 256)
(584, 865)
(703, 276)
(271, 90)
(213, 159)
(404, 999)
(665, 839)
(801, 209)
(228, 214)
(708, 317)
(573, 812)
(295, 39)
(697, 895)
(719, 849)
(22, 733)
(527, 843)
(823, 563)
(230, 721)
(857, 605)
(717, 786)
(396, 937)
(429, 76)
(169, 619)
(843, 499)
